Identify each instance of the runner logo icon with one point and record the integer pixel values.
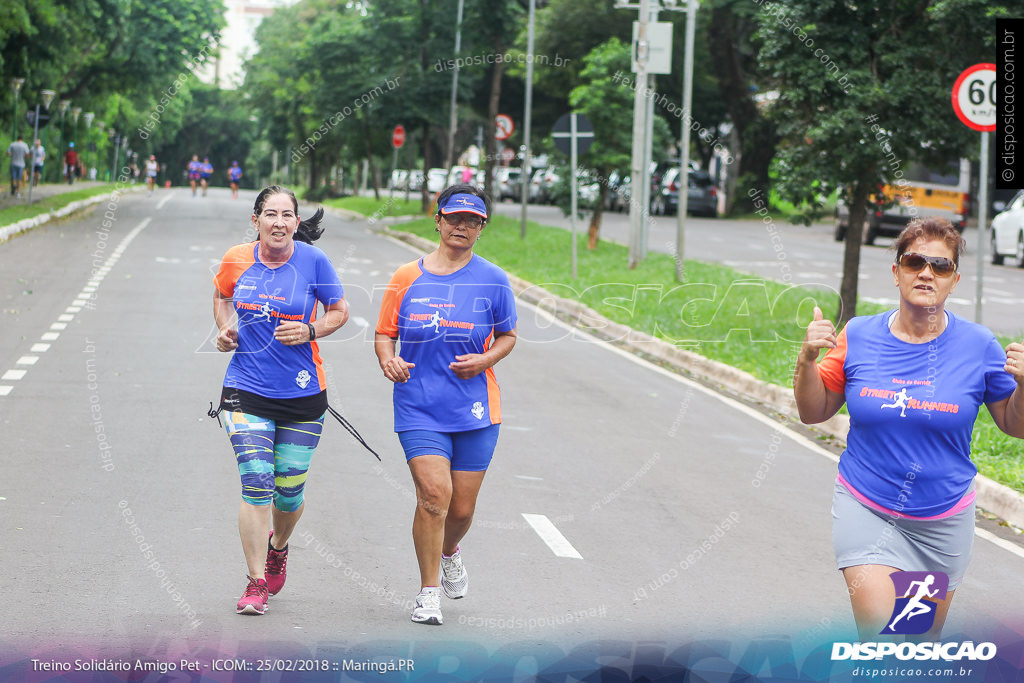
(917, 597)
(478, 410)
(302, 379)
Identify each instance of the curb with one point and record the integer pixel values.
(992, 496)
(9, 231)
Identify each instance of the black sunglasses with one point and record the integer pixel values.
(915, 263)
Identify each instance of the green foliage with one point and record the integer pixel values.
(13, 214)
(376, 209)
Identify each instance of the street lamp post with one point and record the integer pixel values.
(16, 84)
(88, 124)
(62, 107)
(75, 112)
(47, 97)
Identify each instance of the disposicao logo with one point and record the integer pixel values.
(917, 597)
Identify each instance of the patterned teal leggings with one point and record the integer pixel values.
(273, 457)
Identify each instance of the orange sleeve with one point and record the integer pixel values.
(387, 321)
(237, 259)
(831, 366)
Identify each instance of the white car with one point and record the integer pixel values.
(437, 180)
(1008, 232)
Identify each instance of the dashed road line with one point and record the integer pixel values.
(550, 534)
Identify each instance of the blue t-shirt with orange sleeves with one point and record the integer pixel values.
(912, 409)
(264, 297)
(436, 318)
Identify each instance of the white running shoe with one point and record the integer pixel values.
(428, 607)
(454, 577)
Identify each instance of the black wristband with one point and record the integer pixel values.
(312, 331)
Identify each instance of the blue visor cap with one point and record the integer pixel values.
(464, 203)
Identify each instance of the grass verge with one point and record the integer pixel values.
(13, 214)
(386, 206)
(736, 318)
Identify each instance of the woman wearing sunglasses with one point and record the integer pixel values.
(455, 316)
(913, 380)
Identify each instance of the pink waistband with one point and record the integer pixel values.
(961, 504)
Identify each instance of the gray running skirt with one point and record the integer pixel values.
(861, 535)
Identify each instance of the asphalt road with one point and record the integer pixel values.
(684, 517)
(809, 256)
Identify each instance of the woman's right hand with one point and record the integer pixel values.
(227, 339)
(821, 334)
(397, 370)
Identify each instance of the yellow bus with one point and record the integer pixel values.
(919, 191)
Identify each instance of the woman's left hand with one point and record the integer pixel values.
(292, 333)
(469, 365)
(1015, 361)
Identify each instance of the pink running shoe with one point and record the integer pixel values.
(254, 599)
(276, 568)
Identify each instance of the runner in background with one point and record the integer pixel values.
(194, 171)
(234, 175)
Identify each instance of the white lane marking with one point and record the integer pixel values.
(73, 309)
(1002, 543)
(5, 389)
(13, 375)
(554, 539)
(78, 302)
(27, 360)
(39, 348)
(160, 204)
(50, 336)
(360, 322)
(65, 317)
(779, 427)
(88, 290)
(59, 326)
(529, 478)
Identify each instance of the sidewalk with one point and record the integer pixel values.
(41, 192)
(51, 190)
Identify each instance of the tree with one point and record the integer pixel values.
(607, 100)
(860, 87)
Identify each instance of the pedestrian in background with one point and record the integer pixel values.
(274, 393)
(70, 163)
(38, 157)
(17, 151)
(452, 316)
(913, 379)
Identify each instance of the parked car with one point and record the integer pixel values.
(536, 180)
(415, 180)
(437, 180)
(701, 196)
(1008, 232)
(508, 183)
(399, 179)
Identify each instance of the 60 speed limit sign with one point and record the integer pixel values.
(974, 97)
